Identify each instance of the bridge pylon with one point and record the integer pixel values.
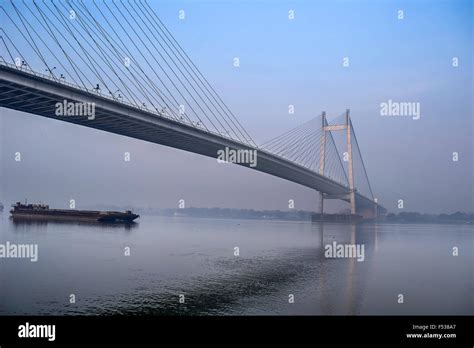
(322, 159)
(338, 127)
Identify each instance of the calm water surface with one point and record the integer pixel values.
(195, 257)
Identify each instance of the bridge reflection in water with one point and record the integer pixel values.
(195, 257)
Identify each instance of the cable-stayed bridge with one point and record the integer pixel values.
(119, 57)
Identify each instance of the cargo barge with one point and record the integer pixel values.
(42, 211)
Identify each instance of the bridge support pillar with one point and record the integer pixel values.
(321, 203)
(349, 167)
(322, 158)
(376, 208)
(351, 195)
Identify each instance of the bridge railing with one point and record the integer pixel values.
(28, 70)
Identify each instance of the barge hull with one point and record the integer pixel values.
(70, 218)
(43, 212)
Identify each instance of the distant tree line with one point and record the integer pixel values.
(426, 218)
(228, 213)
(301, 215)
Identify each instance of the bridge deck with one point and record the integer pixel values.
(37, 94)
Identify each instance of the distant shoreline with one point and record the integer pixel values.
(288, 215)
(301, 215)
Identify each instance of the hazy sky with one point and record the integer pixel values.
(282, 62)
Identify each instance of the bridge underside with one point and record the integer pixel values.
(22, 91)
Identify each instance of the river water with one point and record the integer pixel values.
(179, 265)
